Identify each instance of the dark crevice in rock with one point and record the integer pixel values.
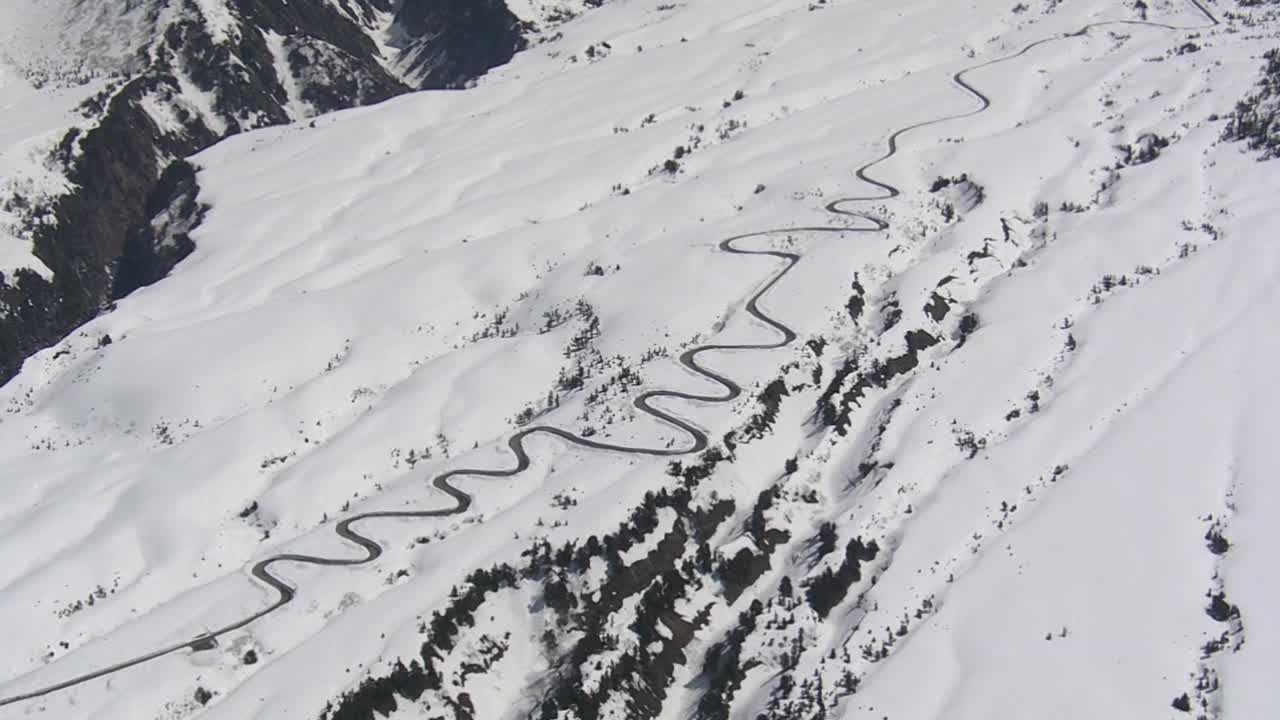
(163, 238)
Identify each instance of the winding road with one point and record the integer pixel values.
(730, 390)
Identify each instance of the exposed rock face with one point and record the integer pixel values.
(113, 168)
(152, 248)
(199, 76)
(446, 43)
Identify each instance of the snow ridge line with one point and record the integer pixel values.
(731, 390)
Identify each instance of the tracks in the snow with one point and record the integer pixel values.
(730, 390)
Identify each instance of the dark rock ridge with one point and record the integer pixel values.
(447, 43)
(127, 217)
(152, 248)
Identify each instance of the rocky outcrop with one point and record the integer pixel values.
(446, 43)
(153, 247)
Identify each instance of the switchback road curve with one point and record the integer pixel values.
(729, 390)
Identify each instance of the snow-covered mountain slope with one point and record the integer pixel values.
(1005, 456)
(97, 99)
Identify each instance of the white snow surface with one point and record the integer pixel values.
(342, 309)
(66, 41)
(55, 54)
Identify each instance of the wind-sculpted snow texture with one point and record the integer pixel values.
(985, 437)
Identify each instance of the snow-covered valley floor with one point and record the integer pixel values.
(1033, 409)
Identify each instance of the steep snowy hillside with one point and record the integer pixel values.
(753, 359)
(98, 99)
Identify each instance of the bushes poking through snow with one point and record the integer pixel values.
(826, 540)
(91, 599)
(770, 399)
(957, 194)
(739, 572)
(829, 588)
(1218, 545)
(857, 301)
(722, 667)
(660, 585)
(378, 694)
(969, 443)
(1146, 149)
(966, 327)
(835, 412)
(1221, 610)
(1256, 118)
